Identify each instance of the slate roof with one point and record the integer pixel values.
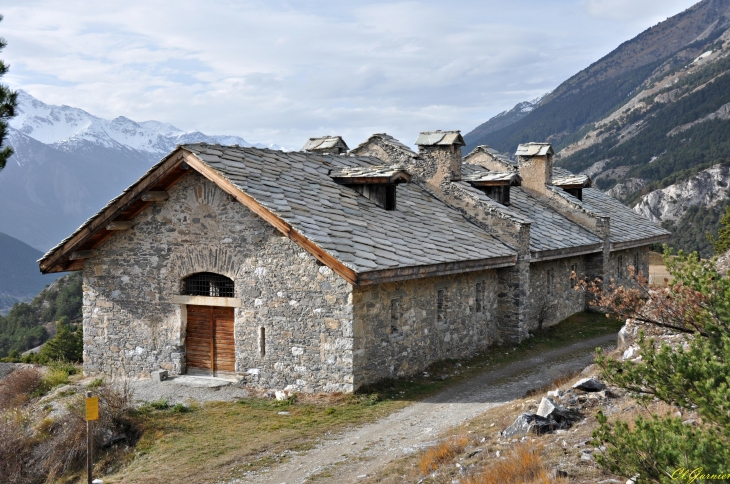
(371, 171)
(626, 225)
(476, 173)
(572, 180)
(534, 149)
(440, 138)
(549, 230)
(492, 152)
(388, 139)
(324, 143)
(298, 188)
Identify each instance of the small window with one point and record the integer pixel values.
(550, 282)
(636, 263)
(395, 311)
(479, 299)
(620, 268)
(442, 305)
(262, 341)
(207, 284)
(574, 273)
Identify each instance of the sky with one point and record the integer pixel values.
(283, 71)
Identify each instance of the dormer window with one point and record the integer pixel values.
(573, 184)
(376, 183)
(494, 184)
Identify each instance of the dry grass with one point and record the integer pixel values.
(443, 452)
(16, 387)
(523, 465)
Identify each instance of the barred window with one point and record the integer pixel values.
(442, 305)
(207, 284)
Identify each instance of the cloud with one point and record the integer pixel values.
(282, 71)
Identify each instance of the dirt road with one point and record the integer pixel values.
(359, 452)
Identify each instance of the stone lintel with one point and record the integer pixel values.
(226, 302)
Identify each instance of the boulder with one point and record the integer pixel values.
(529, 422)
(551, 410)
(589, 385)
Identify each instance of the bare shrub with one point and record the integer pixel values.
(65, 449)
(15, 451)
(442, 453)
(523, 465)
(16, 387)
(116, 397)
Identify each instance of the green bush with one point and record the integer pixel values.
(721, 243)
(695, 378)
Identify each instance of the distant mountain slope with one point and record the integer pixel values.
(604, 86)
(20, 279)
(501, 120)
(68, 164)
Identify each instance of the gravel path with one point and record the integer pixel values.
(360, 452)
(175, 391)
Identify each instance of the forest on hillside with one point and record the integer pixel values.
(24, 326)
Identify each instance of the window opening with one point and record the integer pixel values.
(207, 284)
(620, 269)
(262, 341)
(479, 301)
(636, 263)
(573, 273)
(550, 282)
(442, 305)
(395, 311)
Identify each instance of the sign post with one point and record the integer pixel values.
(92, 413)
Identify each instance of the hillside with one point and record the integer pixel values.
(20, 279)
(599, 89)
(29, 324)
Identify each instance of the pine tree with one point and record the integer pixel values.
(722, 242)
(8, 104)
(65, 346)
(693, 378)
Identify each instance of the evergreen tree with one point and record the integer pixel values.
(721, 244)
(8, 104)
(694, 379)
(67, 345)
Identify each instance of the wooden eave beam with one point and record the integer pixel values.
(224, 184)
(433, 270)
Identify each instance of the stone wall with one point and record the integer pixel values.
(621, 260)
(552, 291)
(132, 326)
(389, 345)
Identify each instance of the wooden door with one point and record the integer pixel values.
(209, 343)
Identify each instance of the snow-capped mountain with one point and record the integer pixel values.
(68, 164)
(67, 128)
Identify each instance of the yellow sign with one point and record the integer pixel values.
(92, 408)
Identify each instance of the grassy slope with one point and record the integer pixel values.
(228, 439)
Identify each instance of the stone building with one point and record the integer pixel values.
(325, 270)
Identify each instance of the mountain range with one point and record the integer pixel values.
(649, 122)
(21, 280)
(68, 164)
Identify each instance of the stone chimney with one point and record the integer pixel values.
(440, 156)
(535, 165)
